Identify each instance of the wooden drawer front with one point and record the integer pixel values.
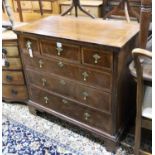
(12, 50)
(97, 58)
(53, 48)
(13, 64)
(91, 77)
(14, 92)
(45, 5)
(81, 93)
(29, 43)
(12, 77)
(73, 110)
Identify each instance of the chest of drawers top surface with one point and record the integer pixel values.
(98, 31)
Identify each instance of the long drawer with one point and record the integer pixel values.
(14, 93)
(13, 77)
(84, 94)
(76, 72)
(71, 109)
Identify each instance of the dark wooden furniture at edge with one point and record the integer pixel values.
(141, 70)
(91, 65)
(145, 19)
(13, 82)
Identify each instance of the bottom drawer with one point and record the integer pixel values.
(93, 118)
(14, 93)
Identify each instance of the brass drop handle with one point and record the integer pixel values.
(40, 63)
(85, 95)
(29, 48)
(60, 64)
(28, 44)
(62, 82)
(96, 57)
(43, 81)
(64, 101)
(59, 50)
(69, 13)
(85, 76)
(46, 99)
(86, 116)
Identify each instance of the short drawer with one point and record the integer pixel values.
(14, 92)
(84, 94)
(73, 110)
(53, 48)
(87, 76)
(99, 58)
(12, 64)
(13, 77)
(10, 50)
(29, 45)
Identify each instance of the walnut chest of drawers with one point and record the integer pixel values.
(93, 7)
(13, 88)
(77, 70)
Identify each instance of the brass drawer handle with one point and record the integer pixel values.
(86, 116)
(9, 78)
(14, 92)
(85, 95)
(46, 99)
(43, 81)
(62, 82)
(96, 57)
(29, 48)
(64, 101)
(59, 50)
(41, 63)
(60, 64)
(85, 76)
